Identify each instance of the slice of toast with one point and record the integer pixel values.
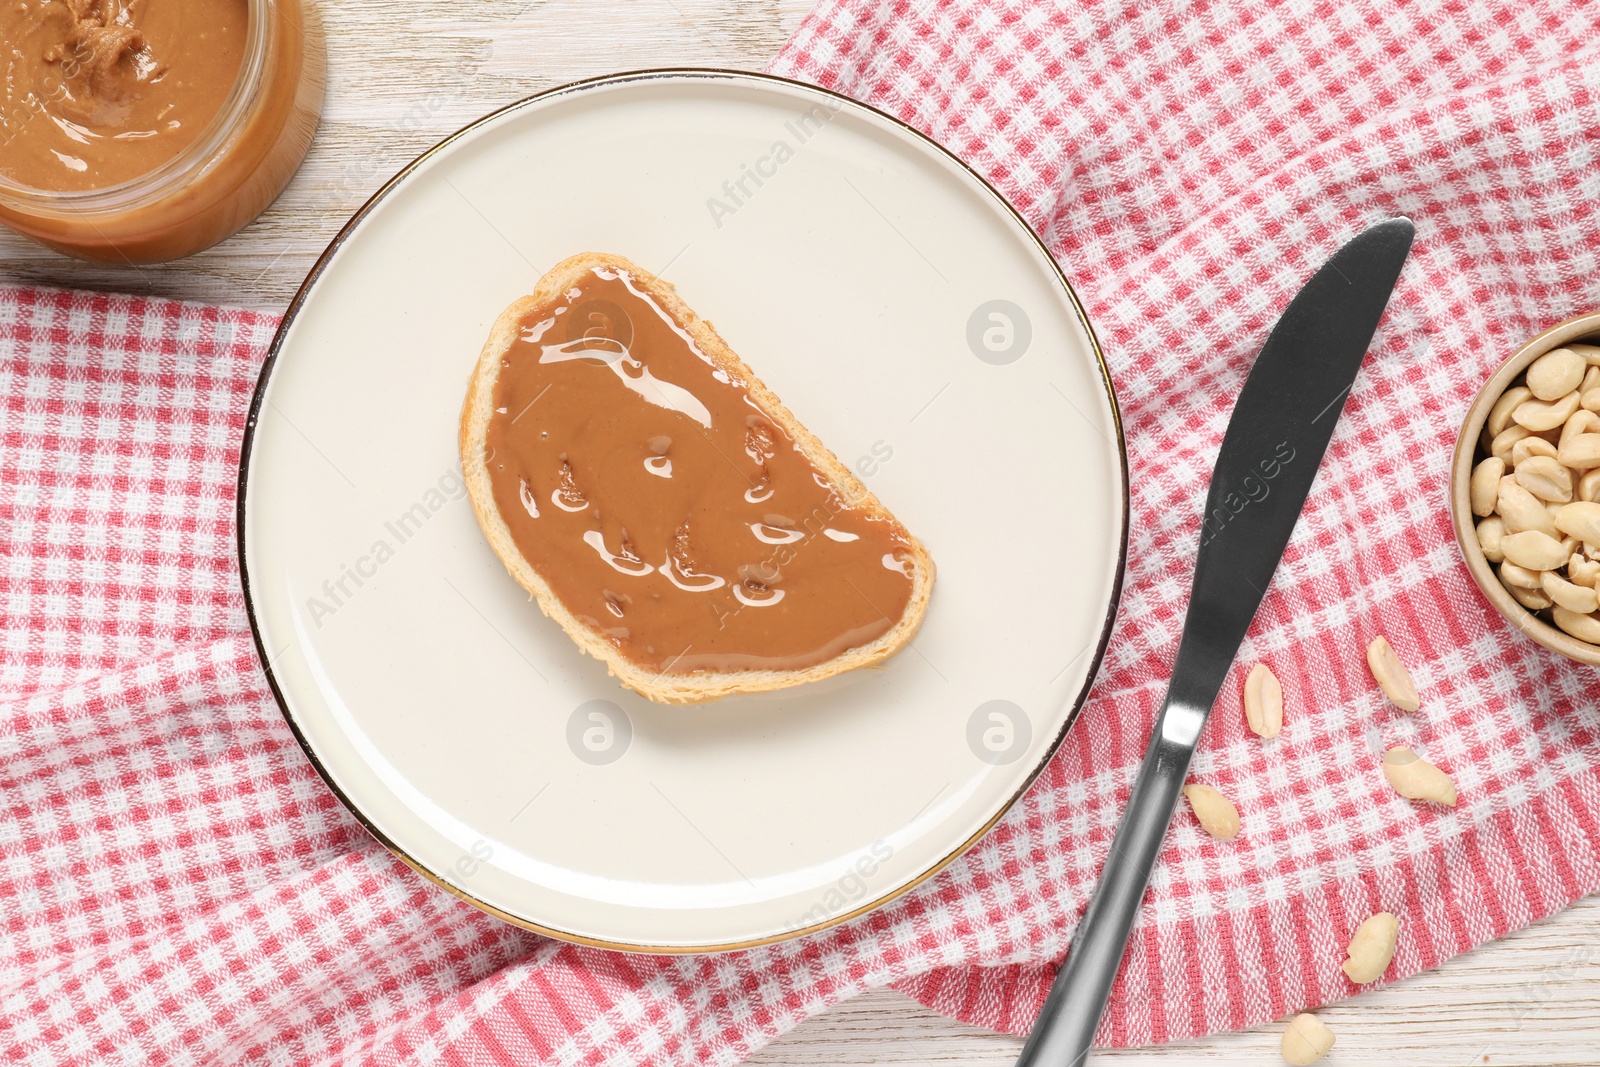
(687, 678)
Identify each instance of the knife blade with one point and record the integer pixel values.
(1274, 444)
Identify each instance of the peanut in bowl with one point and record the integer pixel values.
(1525, 489)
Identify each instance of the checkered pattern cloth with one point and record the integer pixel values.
(177, 885)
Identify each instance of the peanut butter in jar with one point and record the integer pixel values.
(144, 130)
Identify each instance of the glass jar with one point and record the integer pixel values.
(218, 183)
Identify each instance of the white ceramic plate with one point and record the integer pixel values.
(902, 310)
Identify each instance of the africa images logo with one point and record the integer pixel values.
(342, 587)
(739, 190)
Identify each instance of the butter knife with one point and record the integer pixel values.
(1274, 443)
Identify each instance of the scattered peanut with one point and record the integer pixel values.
(1490, 531)
(1545, 477)
(1580, 569)
(1590, 400)
(1582, 453)
(1588, 352)
(1589, 486)
(1306, 1040)
(1582, 422)
(1372, 948)
(1391, 674)
(1521, 577)
(1556, 373)
(1500, 414)
(1505, 440)
(1583, 627)
(1486, 485)
(1538, 416)
(1215, 812)
(1529, 447)
(1532, 599)
(1576, 598)
(1263, 701)
(1534, 550)
(1416, 779)
(1580, 519)
(1521, 510)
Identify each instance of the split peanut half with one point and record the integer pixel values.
(1306, 1040)
(1391, 674)
(1263, 702)
(1416, 779)
(1216, 814)
(1371, 948)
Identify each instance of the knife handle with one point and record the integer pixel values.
(1065, 1028)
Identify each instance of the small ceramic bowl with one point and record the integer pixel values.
(1580, 328)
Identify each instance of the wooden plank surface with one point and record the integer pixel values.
(402, 75)
(1530, 1000)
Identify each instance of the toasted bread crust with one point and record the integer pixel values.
(699, 686)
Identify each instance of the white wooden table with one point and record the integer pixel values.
(405, 72)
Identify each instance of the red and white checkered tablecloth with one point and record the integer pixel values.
(178, 886)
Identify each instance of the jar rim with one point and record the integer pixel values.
(163, 179)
